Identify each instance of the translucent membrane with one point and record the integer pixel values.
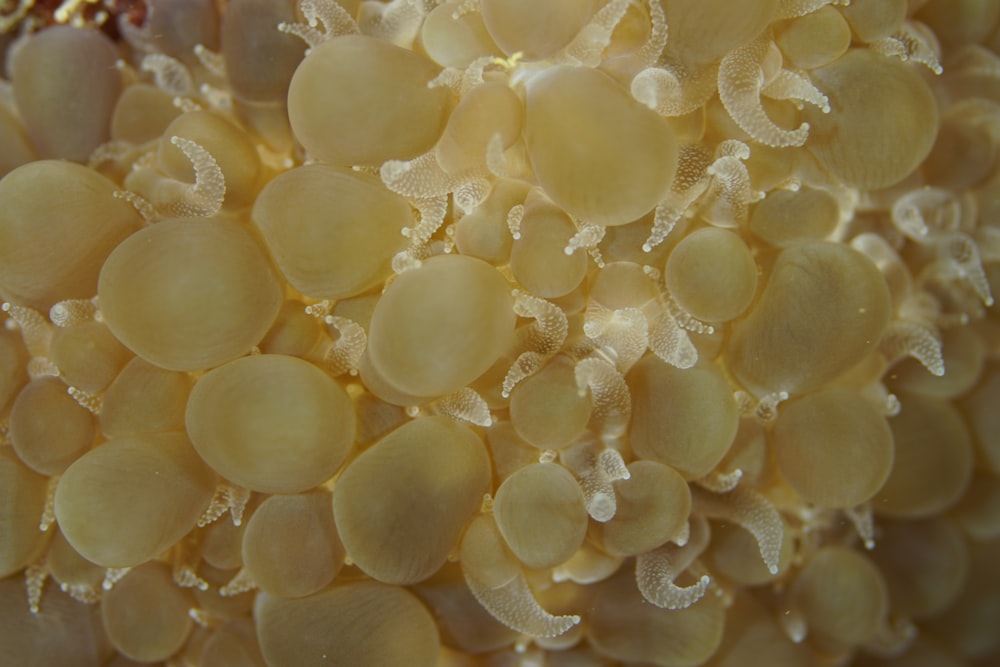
(979, 512)
(483, 233)
(924, 564)
(180, 25)
(702, 31)
(653, 505)
(538, 259)
(222, 544)
(547, 409)
(985, 419)
(842, 596)
(22, 499)
(142, 114)
(144, 399)
(295, 332)
(235, 643)
(88, 356)
(815, 39)
(933, 461)
(188, 293)
(535, 29)
(883, 119)
(63, 632)
(49, 430)
(365, 624)
(963, 353)
(540, 513)
(15, 147)
(957, 24)
(712, 274)
(787, 218)
(751, 635)
(684, 418)
(131, 498)
(622, 285)
(271, 423)
(231, 148)
(873, 19)
(13, 359)
(487, 110)
(833, 447)
(146, 614)
(58, 65)
(361, 101)
(970, 623)
(259, 58)
(401, 505)
(42, 264)
(824, 307)
(291, 547)
(439, 327)
(624, 627)
(332, 231)
(455, 42)
(601, 155)
(735, 554)
(74, 573)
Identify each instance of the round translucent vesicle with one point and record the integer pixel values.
(439, 327)
(712, 274)
(538, 258)
(491, 109)
(332, 231)
(22, 499)
(357, 100)
(541, 514)
(142, 114)
(271, 423)
(43, 264)
(401, 505)
(188, 293)
(653, 505)
(882, 123)
(874, 19)
(15, 147)
(455, 41)
(260, 59)
(933, 462)
(88, 356)
(547, 410)
(685, 418)
(787, 218)
(13, 362)
(144, 399)
(833, 447)
(49, 430)
(535, 29)
(815, 39)
(146, 613)
(735, 554)
(65, 84)
(823, 308)
(364, 624)
(130, 499)
(598, 153)
(177, 27)
(291, 547)
(703, 31)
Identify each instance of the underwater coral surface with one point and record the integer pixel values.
(501, 333)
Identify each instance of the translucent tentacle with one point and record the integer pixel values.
(721, 482)
(731, 187)
(241, 582)
(228, 497)
(344, 355)
(211, 61)
(544, 337)
(788, 85)
(913, 41)
(790, 9)
(514, 217)
(656, 571)
(527, 364)
(419, 178)
(74, 311)
(959, 260)
(397, 21)
(750, 510)
(590, 42)
(465, 405)
(651, 51)
(335, 19)
(202, 198)
(587, 238)
(36, 332)
(741, 80)
(624, 330)
(185, 559)
(35, 577)
(903, 338)
(921, 212)
(674, 90)
(610, 394)
(91, 402)
(671, 343)
(169, 74)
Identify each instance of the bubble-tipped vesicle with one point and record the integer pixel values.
(401, 505)
(652, 506)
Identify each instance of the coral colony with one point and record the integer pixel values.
(502, 333)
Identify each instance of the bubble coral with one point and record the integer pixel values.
(440, 333)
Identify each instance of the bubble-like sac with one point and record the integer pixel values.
(871, 20)
(540, 513)
(142, 113)
(364, 624)
(841, 595)
(823, 308)
(22, 499)
(291, 547)
(453, 40)
(259, 59)
(63, 64)
(178, 26)
(88, 356)
(538, 258)
(48, 429)
(146, 614)
(271, 423)
(882, 123)
(43, 264)
(815, 39)
(118, 520)
(188, 294)
(547, 410)
(703, 31)
(15, 147)
(685, 418)
(599, 154)
(401, 505)
(789, 217)
(144, 398)
(333, 232)
(357, 100)
(487, 111)
(440, 326)
(653, 505)
(712, 274)
(625, 627)
(933, 459)
(833, 447)
(521, 26)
